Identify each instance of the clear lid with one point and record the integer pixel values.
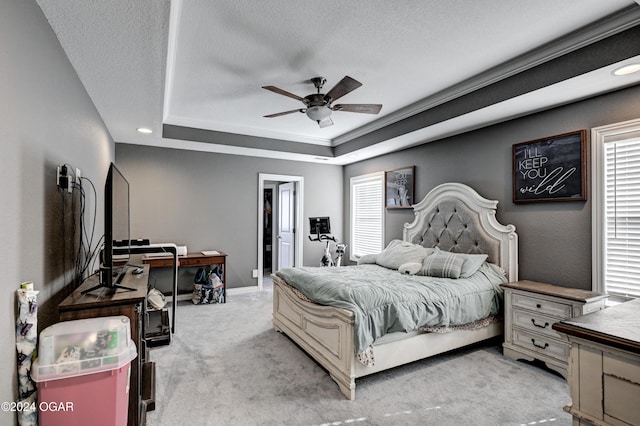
(80, 347)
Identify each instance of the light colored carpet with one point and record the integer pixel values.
(227, 366)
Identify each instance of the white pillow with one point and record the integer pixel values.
(452, 265)
(398, 252)
(410, 268)
(442, 264)
(472, 262)
(367, 259)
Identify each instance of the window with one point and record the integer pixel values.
(616, 209)
(367, 215)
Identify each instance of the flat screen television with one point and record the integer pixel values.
(116, 251)
(319, 225)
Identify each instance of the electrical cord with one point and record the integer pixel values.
(64, 240)
(91, 251)
(86, 253)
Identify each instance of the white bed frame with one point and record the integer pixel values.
(326, 333)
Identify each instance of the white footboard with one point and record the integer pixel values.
(324, 332)
(424, 345)
(327, 333)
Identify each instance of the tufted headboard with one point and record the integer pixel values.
(454, 217)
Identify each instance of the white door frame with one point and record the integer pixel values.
(299, 188)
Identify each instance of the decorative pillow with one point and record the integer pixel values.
(367, 259)
(410, 268)
(442, 264)
(398, 252)
(472, 262)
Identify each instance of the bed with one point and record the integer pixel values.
(452, 218)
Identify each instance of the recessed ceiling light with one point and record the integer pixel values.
(144, 130)
(627, 69)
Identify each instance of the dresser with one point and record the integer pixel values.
(604, 365)
(531, 309)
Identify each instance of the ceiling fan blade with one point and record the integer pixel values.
(325, 123)
(362, 108)
(278, 114)
(344, 86)
(279, 91)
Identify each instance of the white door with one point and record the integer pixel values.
(286, 225)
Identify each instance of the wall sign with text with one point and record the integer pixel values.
(398, 192)
(550, 169)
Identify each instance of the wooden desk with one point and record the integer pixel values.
(192, 260)
(604, 365)
(100, 303)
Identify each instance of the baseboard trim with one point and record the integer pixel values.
(230, 292)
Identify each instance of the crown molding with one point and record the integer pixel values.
(606, 27)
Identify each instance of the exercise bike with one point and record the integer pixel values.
(341, 248)
(326, 257)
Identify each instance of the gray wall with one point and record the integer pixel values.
(555, 238)
(46, 119)
(209, 201)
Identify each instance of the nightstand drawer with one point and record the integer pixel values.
(531, 309)
(535, 322)
(556, 309)
(541, 344)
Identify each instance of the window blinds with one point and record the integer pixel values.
(367, 214)
(622, 218)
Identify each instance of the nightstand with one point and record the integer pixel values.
(531, 308)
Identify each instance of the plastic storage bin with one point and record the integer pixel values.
(83, 371)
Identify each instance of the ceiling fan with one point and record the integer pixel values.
(319, 106)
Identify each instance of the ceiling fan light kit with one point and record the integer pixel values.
(318, 105)
(318, 113)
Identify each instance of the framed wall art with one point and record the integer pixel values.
(399, 191)
(550, 169)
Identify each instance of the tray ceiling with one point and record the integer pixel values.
(193, 71)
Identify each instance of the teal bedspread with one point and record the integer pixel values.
(385, 301)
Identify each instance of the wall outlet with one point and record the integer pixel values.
(254, 273)
(63, 180)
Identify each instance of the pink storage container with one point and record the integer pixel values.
(83, 371)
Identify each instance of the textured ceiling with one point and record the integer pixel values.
(196, 67)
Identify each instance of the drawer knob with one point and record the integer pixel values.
(546, 345)
(538, 306)
(546, 324)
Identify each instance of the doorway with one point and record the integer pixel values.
(269, 228)
(279, 219)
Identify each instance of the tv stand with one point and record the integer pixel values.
(133, 304)
(111, 289)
